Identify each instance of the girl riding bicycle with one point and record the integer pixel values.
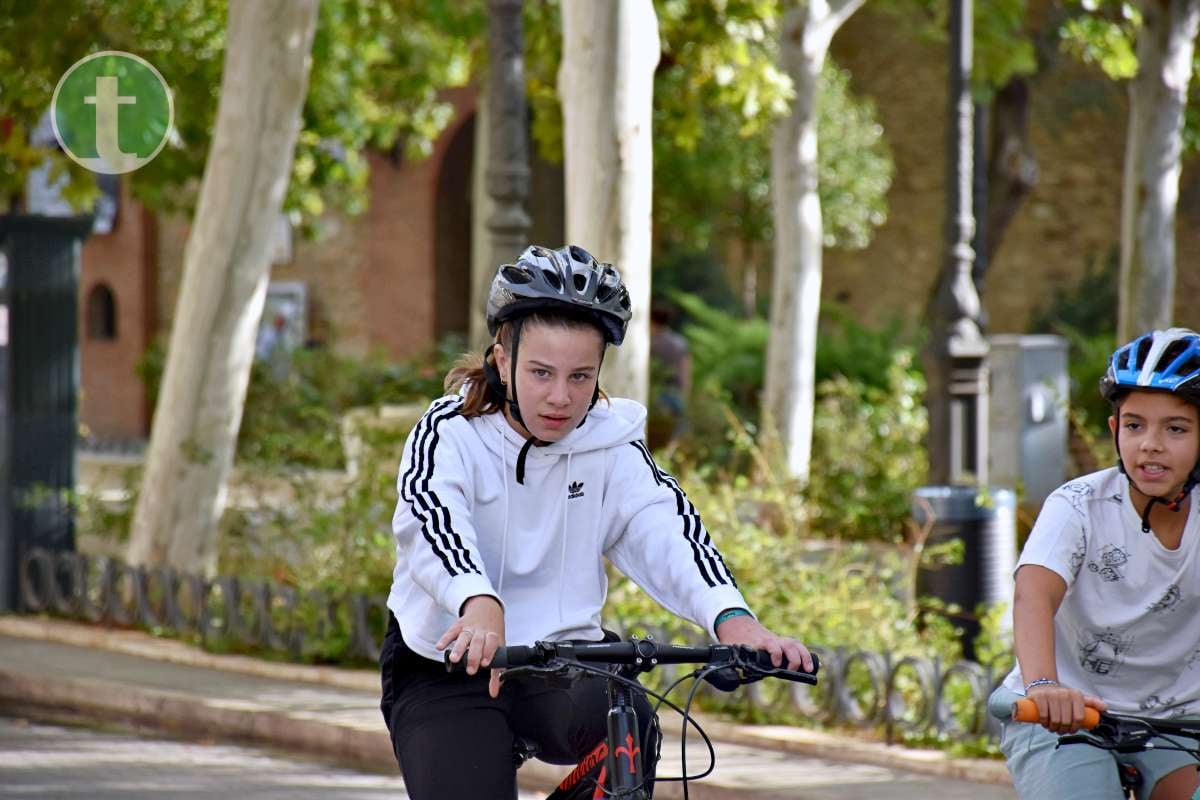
(1106, 612)
(514, 488)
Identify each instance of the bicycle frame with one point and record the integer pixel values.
(617, 763)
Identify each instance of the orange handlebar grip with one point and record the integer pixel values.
(1025, 710)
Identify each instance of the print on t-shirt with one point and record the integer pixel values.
(1104, 652)
(1112, 558)
(1078, 492)
(1078, 557)
(1169, 601)
(1154, 702)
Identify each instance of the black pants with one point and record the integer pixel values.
(455, 742)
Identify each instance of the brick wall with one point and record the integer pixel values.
(113, 400)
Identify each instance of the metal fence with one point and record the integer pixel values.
(862, 688)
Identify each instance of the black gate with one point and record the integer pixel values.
(39, 379)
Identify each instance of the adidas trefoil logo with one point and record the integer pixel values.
(575, 489)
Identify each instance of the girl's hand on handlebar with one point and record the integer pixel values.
(746, 630)
(476, 634)
(1060, 708)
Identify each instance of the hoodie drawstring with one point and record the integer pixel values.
(504, 539)
(562, 562)
(530, 442)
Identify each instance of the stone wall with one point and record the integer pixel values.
(1070, 219)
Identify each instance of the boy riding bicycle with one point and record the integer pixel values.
(514, 489)
(1106, 611)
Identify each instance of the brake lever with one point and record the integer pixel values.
(745, 668)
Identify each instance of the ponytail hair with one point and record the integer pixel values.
(480, 398)
(469, 372)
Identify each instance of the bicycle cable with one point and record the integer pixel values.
(696, 677)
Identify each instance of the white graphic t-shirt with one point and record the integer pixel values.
(1128, 629)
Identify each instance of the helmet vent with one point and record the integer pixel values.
(552, 279)
(1143, 350)
(514, 274)
(580, 281)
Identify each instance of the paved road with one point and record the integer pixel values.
(67, 763)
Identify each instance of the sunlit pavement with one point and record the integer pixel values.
(51, 761)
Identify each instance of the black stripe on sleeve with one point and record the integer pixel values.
(708, 559)
(436, 523)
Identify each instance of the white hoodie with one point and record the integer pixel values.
(465, 527)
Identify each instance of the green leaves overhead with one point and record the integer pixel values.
(377, 70)
(717, 95)
(1002, 48)
(1104, 35)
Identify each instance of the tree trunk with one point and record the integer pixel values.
(606, 84)
(482, 208)
(1157, 102)
(226, 271)
(1013, 170)
(789, 383)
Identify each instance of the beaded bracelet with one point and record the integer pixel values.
(1040, 682)
(729, 614)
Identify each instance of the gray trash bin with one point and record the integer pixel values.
(989, 535)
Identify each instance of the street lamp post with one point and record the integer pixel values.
(958, 424)
(508, 168)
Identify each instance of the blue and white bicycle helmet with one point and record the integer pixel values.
(1162, 361)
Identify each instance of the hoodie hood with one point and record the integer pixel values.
(616, 422)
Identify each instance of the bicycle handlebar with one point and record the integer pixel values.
(641, 652)
(1025, 710)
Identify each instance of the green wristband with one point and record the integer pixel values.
(729, 614)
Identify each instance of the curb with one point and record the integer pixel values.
(366, 747)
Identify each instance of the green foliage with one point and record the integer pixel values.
(717, 95)
(869, 422)
(334, 535)
(1103, 33)
(1104, 36)
(829, 594)
(868, 453)
(693, 272)
(727, 354)
(851, 350)
(296, 421)
(377, 68)
(1002, 47)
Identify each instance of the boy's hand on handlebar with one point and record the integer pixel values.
(746, 630)
(476, 634)
(1060, 708)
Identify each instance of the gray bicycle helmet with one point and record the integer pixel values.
(1159, 361)
(568, 279)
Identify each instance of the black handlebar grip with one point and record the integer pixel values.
(763, 659)
(517, 655)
